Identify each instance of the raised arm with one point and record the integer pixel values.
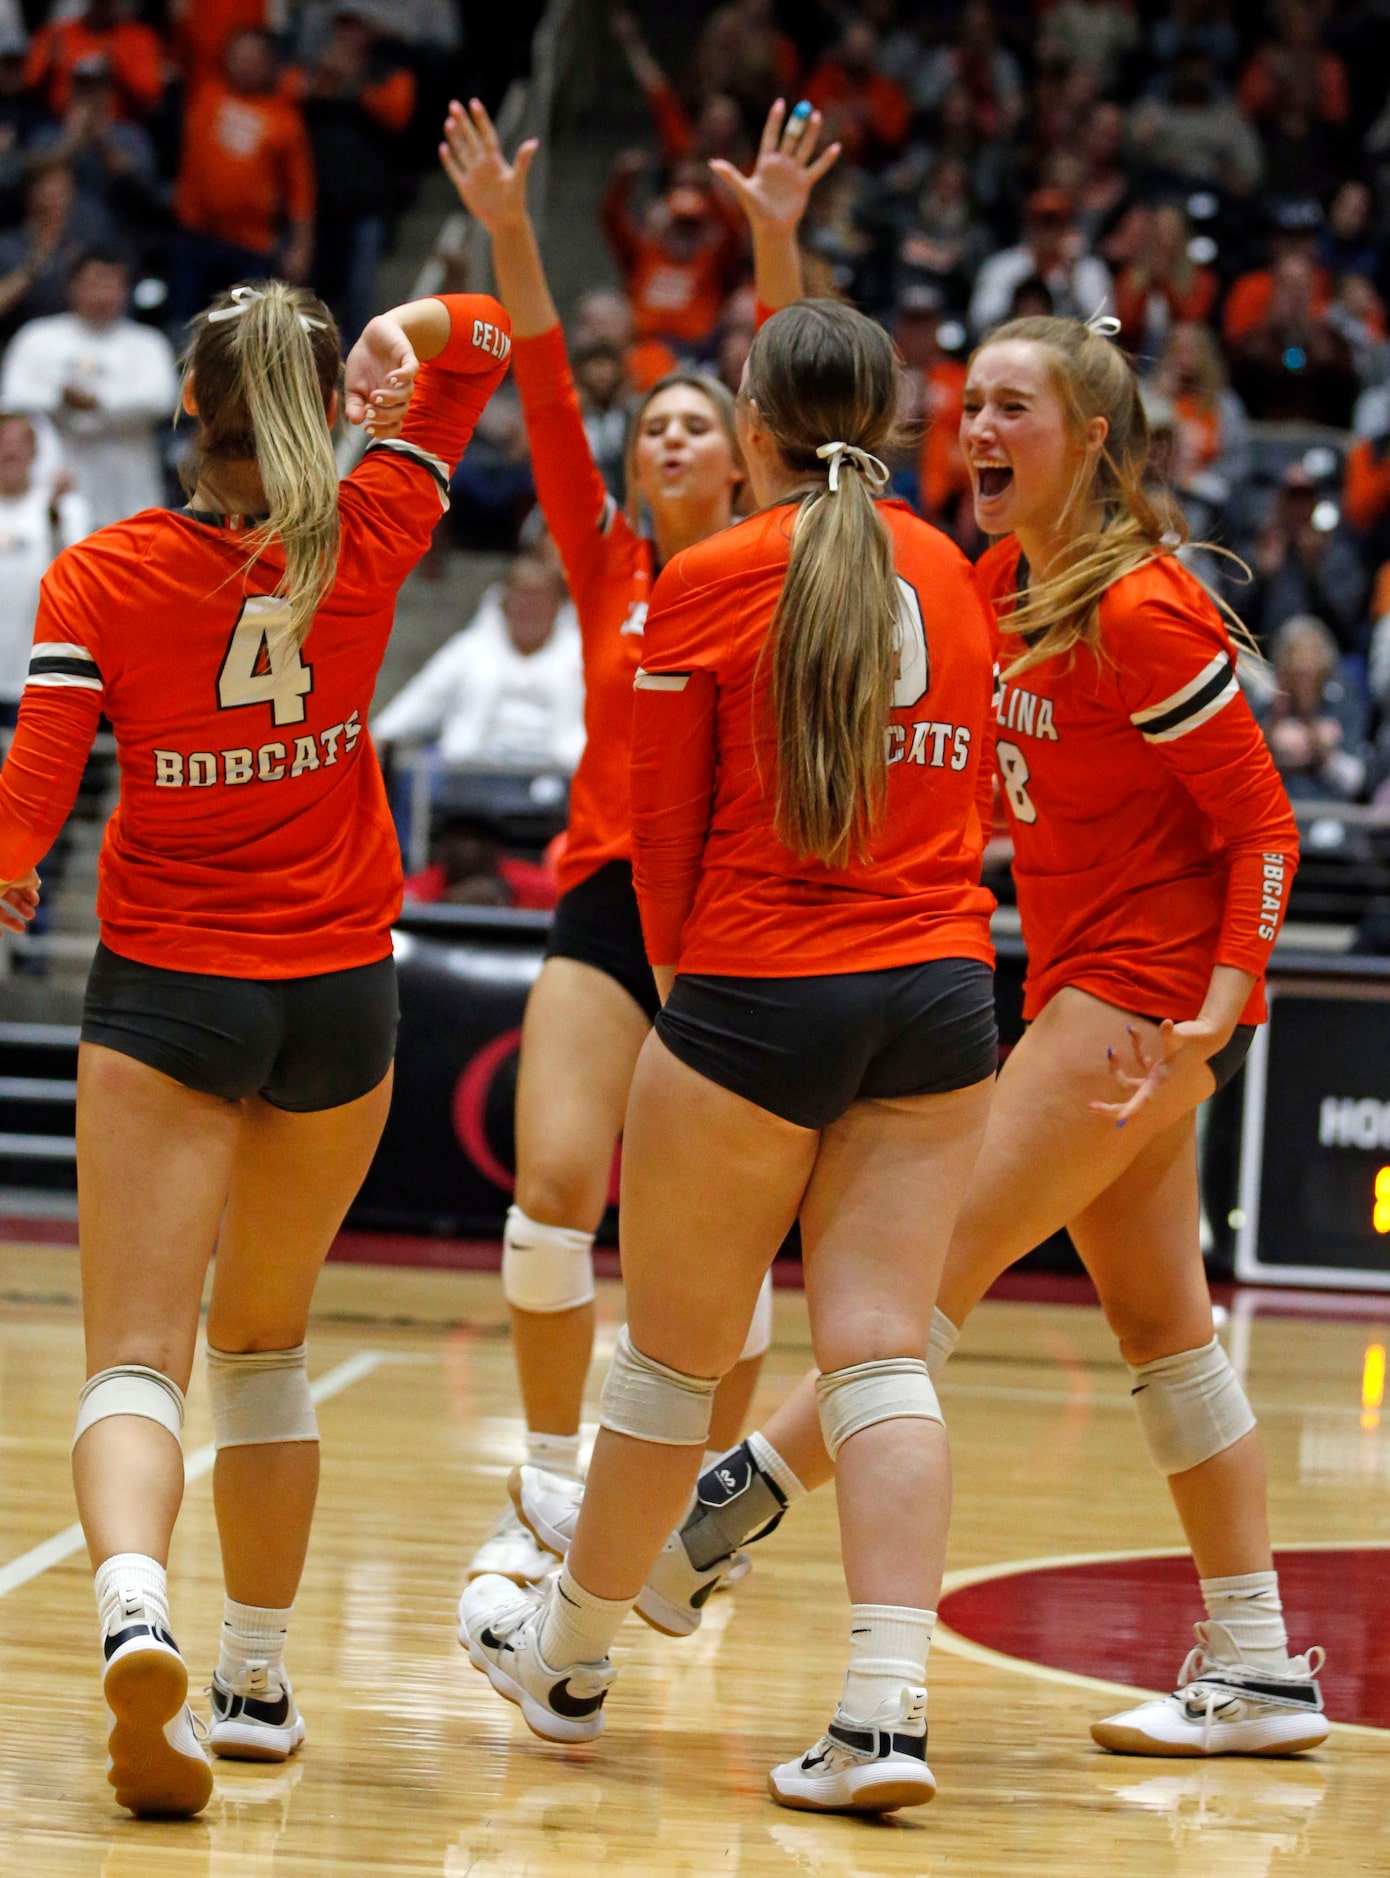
(494, 193)
(774, 197)
(573, 496)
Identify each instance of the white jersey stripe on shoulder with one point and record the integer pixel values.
(1195, 719)
(660, 681)
(1181, 696)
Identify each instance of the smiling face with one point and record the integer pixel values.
(682, 453)
(1018, 440)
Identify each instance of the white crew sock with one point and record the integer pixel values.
(131, 1588)
(577, 1627)
(941, 1342)
(251, 1634)
(776, 1469)
(1250, 1611)
(888, 1646)
(554, 1454)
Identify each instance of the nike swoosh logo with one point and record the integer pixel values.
(575, 1707)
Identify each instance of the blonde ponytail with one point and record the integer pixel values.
(818, 372)
(265, 362)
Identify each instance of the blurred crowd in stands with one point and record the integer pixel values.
(1215, 174)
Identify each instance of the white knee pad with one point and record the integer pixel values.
(895, 1388)
(644, 1399)
(260, 1396)
(760, 1330)
(545, 1268)
(1190, 1407)
(130, 1389)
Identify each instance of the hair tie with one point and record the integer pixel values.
(244, 297)
(1103, 325)
(875, 472)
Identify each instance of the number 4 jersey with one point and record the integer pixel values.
(719, 891)
(253, 837)
(1152, 835)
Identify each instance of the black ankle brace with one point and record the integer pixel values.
(735, 1503)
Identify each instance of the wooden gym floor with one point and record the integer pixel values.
(412, 1765)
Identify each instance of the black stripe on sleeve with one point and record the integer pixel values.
(396, 446)
(41, 666)
(1215, 685)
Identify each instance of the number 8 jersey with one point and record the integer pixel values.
(253, 837)
(1152, 835)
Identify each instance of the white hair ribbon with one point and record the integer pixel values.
(1103, 325)
(875, 472)
(244, 297)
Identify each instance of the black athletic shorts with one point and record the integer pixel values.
(302, 1043)
(1231, 1055)
(806, 1048)
(597, 923)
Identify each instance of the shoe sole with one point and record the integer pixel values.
(654, 1610)
(517, 1578)
(1118, 1740)
(235, 1743)
(539, 1720)
(885, 1796)
(145, 1689)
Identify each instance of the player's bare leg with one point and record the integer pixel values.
(154, 1163)
(293, 1179)
(581, 1037)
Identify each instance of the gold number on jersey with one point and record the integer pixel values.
(914, 667)
(1013, 773)
(263, 665)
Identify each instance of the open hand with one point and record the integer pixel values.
(1181, 1048)
(775, 195)
(490, 188)
(379, 377)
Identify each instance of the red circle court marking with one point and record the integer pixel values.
(470, 1108)
(1128, 1619)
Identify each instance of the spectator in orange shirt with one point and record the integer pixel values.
(1162, 286)
(358, 102)
(1297, 226)
(1295, 65)
(134, 54)
(245, 194)
(864, 111)
(203, 29)
(679, 259)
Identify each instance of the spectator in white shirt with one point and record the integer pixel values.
(508, 691)
(104, 382)
(39, 517)
(1054, 249)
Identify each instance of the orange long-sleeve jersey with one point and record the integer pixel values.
(247, 166)
(253, 837)
(719, 891)
(609, 569)
(1152, 836)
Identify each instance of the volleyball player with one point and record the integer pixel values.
(593, 1003)
(234, 1071)
(1154, 848)
(810, 717)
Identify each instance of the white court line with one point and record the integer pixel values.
(63, 1544)
(944, 1638)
